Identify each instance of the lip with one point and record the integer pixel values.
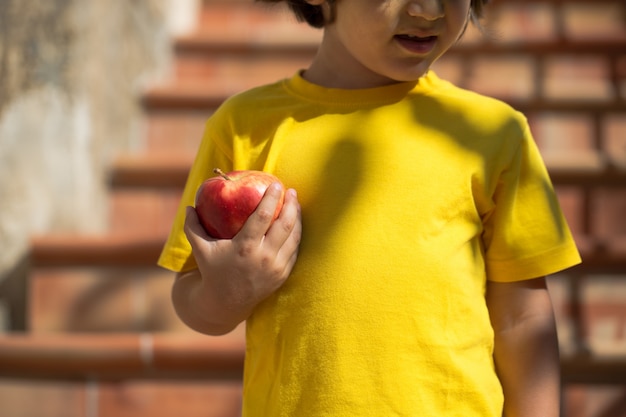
(416, 44)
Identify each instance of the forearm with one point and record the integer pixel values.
(204, 310)
(526, 348)
(527, 362)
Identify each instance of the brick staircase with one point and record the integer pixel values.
(99, 337)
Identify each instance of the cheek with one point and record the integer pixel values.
(458, 11)
(362, 40)
(458, 20)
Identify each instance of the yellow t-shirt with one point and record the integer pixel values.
(413, 195)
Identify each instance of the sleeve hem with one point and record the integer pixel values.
(546, 263)
(177, 261)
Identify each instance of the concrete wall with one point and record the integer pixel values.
(70, 76)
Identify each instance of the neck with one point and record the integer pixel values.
(352, 75)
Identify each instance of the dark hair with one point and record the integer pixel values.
(314, 16)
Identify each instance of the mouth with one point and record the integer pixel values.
(416, 44)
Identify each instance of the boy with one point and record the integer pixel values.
(423, 227)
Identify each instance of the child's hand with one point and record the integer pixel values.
(237, 274)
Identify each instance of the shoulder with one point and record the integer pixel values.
(255, 98)
(473, 105)
(247, 110)
(472, 117)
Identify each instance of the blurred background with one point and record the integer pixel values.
(102, 106)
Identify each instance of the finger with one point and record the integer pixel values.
(293, 257)
(288, 254)
(287, 225)
(193, 228)
(260, 220)
(289, 249)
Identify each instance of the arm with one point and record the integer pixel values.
(526, 348)
(233, 276)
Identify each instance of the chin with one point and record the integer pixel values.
(412, 73)
(413, 76)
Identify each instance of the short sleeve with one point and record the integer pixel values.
(176, 254)
(526, 235)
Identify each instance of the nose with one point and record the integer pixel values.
(426, 9)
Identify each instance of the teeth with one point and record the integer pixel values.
(413, 37)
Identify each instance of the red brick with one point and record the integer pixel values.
(563, 134)
(168, 399)
(174, 131)
(96, 301)
(578, 77)
(615, 139)
(520, 22)
(144, 212)
(571, 201)
(241, 21)
(585, 21)
(240, 70)
(608, 213)
(503, 77)
(20, 398)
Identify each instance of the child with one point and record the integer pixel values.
(424, 224)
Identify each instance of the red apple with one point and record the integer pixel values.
(225, 202)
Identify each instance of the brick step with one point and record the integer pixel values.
(240, 68)
(604, 256)
(585, 169)
(604, 261)
(241, 45)
(258, 22)
(209, 47)
(141, 209)
(99, 282)
(128, 398)
(501, 2)
(121, 356)
(73, 299)
(152, 170)
(146, 188)
(162, 356)
(172, 131)
(578, 176)
(230, 65)
(80, 283)
(121, 374)
(144, 195)
(79, 250)
(208, 96)
(129, 251)
(594, 370)
(252, 22)
(244, 19)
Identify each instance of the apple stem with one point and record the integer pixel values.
(221, 173)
